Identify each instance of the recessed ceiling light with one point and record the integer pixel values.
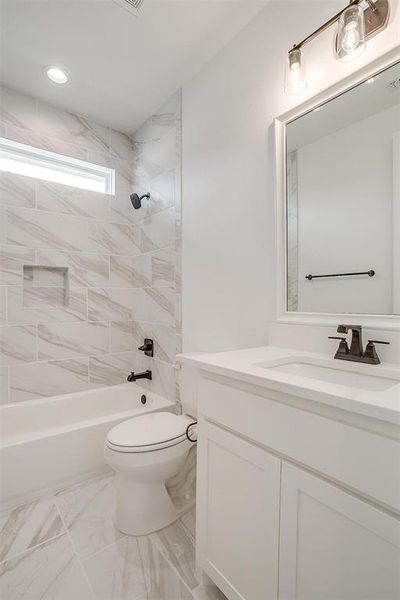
(56, 75)
(370, 80)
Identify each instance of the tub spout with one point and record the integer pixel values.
(145, 375)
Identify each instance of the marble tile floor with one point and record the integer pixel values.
(65, 547)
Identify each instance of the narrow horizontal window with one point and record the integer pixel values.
(41, 164)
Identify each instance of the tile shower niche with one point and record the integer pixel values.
(45, 287)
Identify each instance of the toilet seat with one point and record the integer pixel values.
(147, 433)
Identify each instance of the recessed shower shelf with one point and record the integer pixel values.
(45, 286)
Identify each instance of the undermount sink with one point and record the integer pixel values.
(332, 374)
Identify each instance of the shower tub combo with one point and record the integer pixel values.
(50, 442)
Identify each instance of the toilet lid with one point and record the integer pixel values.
(154, 429)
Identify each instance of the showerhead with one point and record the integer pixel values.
(137, 200)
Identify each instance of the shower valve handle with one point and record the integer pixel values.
(148, 347)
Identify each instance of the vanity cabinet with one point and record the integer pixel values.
(334, 545)
(238, 514)
(291, 504)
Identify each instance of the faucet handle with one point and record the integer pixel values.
(370, 355)
(343, 346)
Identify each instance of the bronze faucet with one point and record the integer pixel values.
(356, 352)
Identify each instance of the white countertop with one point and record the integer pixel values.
(244, 365)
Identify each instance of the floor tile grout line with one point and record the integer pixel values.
(169, 563)
(142, 566)
(8, 511)
(5, 510)
(187, 530)
(35, 547)
(106, 547)
(83, 570)
(122, 535)
(164, 553)
(158, 547)
(108, 474)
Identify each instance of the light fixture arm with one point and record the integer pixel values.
(380, 8)
(372, 5)
(326, 25)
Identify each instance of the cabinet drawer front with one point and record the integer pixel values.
(238, 515)
(367, 462)
(334, 545)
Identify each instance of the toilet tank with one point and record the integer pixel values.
(188, 385)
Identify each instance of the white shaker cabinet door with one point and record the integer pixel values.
(333, 545)
(238, 515)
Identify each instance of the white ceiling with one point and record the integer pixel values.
(122, 67)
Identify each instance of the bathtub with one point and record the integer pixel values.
(52, 442)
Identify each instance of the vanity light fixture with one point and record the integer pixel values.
(56, 75)
(350, 39)
(355, 25)
(296, 81)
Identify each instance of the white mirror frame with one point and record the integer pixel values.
(382, 322)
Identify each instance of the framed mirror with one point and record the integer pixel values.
(338, 161)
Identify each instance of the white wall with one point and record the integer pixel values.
(345, 198)
(229, 258)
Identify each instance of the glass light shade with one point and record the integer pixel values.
(350, 42)
(295, 79)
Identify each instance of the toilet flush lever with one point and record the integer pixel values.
(148, 347)
(189, 432)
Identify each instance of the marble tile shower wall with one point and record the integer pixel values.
(83, 276)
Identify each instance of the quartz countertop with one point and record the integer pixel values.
(245, 365)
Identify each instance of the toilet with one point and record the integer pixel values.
(145, 452)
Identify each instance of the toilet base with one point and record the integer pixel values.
(142, 508)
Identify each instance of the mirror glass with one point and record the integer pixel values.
(343, 202)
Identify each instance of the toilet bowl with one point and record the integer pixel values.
(145, 452)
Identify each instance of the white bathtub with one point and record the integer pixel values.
(54, 441)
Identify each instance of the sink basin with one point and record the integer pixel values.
(332, 374)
